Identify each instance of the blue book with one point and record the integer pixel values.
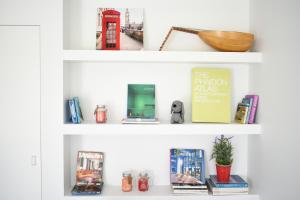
(78, 110)
(73, 111)
(187, 166)
(249, 102)
(235, 181)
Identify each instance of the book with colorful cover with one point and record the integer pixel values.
(249, 102)
(226, 190)
(241, 113)
(73, 111)
(141, 101)
(89, 173)
(187, 166)
(78, 110)
(235, 181)
(211, 95)
(253, 108)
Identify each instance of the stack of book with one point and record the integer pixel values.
(246, 110)
(74, 111)
(190, 189)
(187, 171)
(236, 185)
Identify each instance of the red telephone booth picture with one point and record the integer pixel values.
(111, 30)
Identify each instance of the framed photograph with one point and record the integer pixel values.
(119, 29)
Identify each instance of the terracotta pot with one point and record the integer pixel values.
(223, 173)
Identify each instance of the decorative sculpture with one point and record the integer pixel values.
(177, 111)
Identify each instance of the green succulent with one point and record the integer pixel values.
(222, 150)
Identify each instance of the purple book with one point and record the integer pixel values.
(253, 108)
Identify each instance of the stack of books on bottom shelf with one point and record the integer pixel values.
(236, 185)
(190, 189)
(187, 171)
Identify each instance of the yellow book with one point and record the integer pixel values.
(211, 95)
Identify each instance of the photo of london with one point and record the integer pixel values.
(119, 29)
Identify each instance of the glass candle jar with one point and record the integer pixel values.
(127, 182)
(143, 184)
(100, 114)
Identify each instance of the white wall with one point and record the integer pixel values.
(20, 12)
(274, 156)
(51, 141)
(159, 16)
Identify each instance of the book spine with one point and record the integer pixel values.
(247, 110)
(253, 108)
(249, 101)
(228, 185)
(189, 188)
(202, 167)
(73, 111)
(77, 108)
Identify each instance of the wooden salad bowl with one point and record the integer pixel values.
(220, 40)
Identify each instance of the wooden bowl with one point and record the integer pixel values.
(227, 40)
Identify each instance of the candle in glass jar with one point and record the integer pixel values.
(100, 114)
(143, 184)
(127, 182)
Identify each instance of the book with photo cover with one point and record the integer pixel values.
(253, 107)
(89, 173)
(78, 110)
(73, 112)
(249, 102)
(187, 166)
(242, 113)
(140, 104)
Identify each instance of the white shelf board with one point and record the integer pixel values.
(162, 56)
(160, 129)
(155, 193)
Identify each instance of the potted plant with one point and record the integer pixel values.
(222, 153)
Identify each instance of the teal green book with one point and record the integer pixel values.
(141, 101)
(211, 95)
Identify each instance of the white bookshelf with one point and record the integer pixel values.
(164, 128)
(101, 77)
(155, 193)
(162, 56)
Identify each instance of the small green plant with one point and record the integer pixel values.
(222, 151)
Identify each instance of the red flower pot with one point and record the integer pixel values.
(223, 173)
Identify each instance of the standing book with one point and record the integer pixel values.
(78, 110)
(73, 111)
(187, 166)
(253, 108)
(89, 174)
(248, 101)
(211, 95)
(242, 113)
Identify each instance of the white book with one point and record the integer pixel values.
(140, 121)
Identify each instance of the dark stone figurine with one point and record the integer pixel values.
(177, 111)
